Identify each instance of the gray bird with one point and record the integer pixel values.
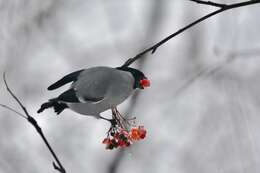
(95, 90)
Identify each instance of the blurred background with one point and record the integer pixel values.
(201, 111)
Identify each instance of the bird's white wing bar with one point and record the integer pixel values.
(90, 100)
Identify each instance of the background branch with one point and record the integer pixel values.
(210, 3)
(224, 7)
(230, 57)
(34, 123)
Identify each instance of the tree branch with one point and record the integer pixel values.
(224, 7)
(13, 110)
(34, 123)
(210, 3)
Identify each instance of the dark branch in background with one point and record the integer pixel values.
(152, 27)
(230, 57)
(34, 123)
(223, 7)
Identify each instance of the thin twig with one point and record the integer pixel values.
(153, 48)
(34, 123)
(210, 3)
(13, 110)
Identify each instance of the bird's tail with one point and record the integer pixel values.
(57, 106)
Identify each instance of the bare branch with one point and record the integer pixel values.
(153, 48)
(34, 123)
(16, 99)
(210, 3)
(13, 110)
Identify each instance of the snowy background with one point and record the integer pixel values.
(201, 111)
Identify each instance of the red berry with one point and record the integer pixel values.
(110, 147)
(134, 134)
(116, 135)
(142, 135)
(121, 142)
(142, 132)
(106, 141)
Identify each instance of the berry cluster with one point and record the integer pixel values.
(119, 137)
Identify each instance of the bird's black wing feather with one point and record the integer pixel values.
(71, 97)
(66, 79)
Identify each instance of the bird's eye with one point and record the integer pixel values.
(145, 83)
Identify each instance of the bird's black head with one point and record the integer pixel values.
(141, 80)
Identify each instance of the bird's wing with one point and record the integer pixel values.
(66, 79)
(94, 84)
(71, 96)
